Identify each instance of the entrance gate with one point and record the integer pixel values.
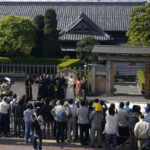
(111, 54)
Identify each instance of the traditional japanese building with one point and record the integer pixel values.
(107, 22)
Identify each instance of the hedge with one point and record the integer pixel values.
(141, 79)
(61, 63)
(32, 60)
(69, 63)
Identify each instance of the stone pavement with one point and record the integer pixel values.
(19, 144)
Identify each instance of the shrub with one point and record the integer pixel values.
(69, 63)
(141, 79)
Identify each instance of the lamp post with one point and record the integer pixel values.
(85, 68)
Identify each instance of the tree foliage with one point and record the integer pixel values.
(84, 50)
(50, 44)
(17, 35)
(139, 30)
(39, 22)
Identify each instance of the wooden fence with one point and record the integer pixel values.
(23, 69)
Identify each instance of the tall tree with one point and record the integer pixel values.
(39, 22)
(17, 35)
(84, 50)
(50, 44)
(139, 30)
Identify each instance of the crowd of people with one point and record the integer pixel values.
(91, 122)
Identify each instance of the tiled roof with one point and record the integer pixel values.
(113, 49)
(87, 28)
(78, 37)
(108, 16)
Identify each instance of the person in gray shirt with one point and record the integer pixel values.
(83, 121)
(28, 119)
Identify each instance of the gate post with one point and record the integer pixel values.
(93, 71)
(108, 78)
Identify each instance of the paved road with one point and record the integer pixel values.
(18, 144)
(126, 88)
(19, 89)
(136, 98)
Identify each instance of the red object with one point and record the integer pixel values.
(132, 64)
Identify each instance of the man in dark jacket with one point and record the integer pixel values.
(61, 86)
(47, 117)
(18, 117)
(28, 84)
(37, 133)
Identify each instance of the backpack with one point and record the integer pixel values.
(133, 119)
(62, 116)
(41, 123)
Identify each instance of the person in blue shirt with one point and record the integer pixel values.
(126, 107)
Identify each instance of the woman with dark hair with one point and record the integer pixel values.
(133, 119)
(111, 127)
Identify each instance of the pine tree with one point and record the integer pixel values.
(50, 44)
(39, 22)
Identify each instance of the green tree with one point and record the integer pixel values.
(17, 35)
(50, 44)
(139, 30)
(84, 50)
(39, 22)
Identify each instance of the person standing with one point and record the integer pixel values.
(83, 87)
(142, 132)
(123, 129)
(52, 84)
(28, 119)
(71, 121)
(96, 118)
(5, 89)
(133, 119)
(4, 116)
(61, 86)
(83, 121)
(111, 127)
(28, 84)
(59, 113)
(70, 88)
(78, 88)
(18, 117)
(37, 133)
(47, 117)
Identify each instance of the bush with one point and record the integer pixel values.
(69, 63)
(61, 63)
(141, 79)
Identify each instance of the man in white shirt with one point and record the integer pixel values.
(142, 132)
(4, 116)
(58, 112)
(71, 122)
